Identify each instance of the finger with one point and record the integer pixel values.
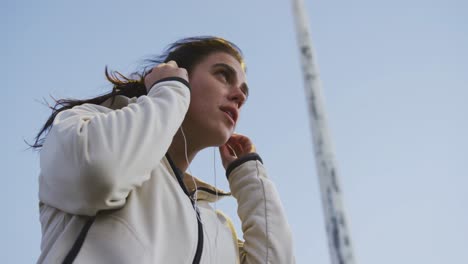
(224, 151)
(239, 143)
(243, 145)
(232, 151)
(226, 155)
(236, 136)
(184, 72)
(239, 148)
(234, 139)
(172, 63)
(240, 138)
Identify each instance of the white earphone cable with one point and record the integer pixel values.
(195, 195)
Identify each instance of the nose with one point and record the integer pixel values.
(237, 95)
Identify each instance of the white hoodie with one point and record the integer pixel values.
(108, 163)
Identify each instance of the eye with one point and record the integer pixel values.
(223, 75)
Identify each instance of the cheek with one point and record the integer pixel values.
(207, 99)
(198, 109)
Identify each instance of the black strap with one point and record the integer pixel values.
(198, 253)
(178, 173)
(84, 231)
(79, 242)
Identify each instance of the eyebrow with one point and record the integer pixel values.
(233, 72)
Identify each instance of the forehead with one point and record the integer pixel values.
(224, 58)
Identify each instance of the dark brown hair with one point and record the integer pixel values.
(187, 52)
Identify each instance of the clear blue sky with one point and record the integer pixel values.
(395, 77)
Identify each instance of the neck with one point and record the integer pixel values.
(178, 153)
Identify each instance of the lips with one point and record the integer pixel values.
(232, 112)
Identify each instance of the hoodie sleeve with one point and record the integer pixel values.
(267, 235)
(94, 156)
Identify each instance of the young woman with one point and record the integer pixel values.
(113, 187)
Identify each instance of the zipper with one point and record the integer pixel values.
(178, 174)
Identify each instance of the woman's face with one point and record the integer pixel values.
(218, 90)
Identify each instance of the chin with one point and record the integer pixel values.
(214, 134)
(221, 138)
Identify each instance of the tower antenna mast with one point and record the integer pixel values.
(339, 240)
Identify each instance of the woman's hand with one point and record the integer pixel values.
(236, 147)
(164, 70)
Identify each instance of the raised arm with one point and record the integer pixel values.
(267, 235)
(94, 156)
